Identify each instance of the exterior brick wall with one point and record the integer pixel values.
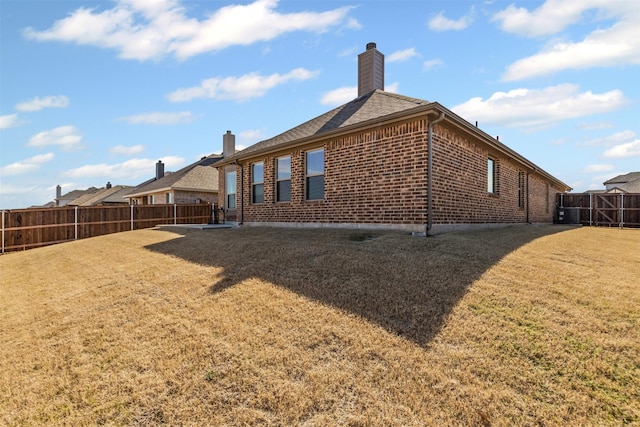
(379, 177)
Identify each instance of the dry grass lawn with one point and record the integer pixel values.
(526, 325)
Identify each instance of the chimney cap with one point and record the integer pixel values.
(371, 45)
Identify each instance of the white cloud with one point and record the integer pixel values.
(431, 63)
(442, 23)
(131, 169)
(595, 125)
(348, 52)
(598, 168)
(613, 46)
(157, 118)
(146, 30)
(339, 96)
(630, 149)
(556, 15)
(402, 55)
(127, 150)
(251, 136)
(9, 121)
(538, 107)
(239, 88)
(393, 87)
(27, 165)
(38, 103)
(616, 138)
(66, 137)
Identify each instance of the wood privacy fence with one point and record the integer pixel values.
(29, 228)
(602, 209)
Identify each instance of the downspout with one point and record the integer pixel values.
(430, 172)
(241, 192)
(528, 192)
(527, 202)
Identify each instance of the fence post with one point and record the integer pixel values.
(131, 216)
(621, 210)
(590, 209)
(75, 222)
(3, 231)
(175, 214)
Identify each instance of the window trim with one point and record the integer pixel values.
(280, 180)
(235, 187)
(521, 189)
(256, 184)
(307, 176)
(492, 176)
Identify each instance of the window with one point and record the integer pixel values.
(546, 194)
(521, 184)
(257, 182)
(491, 176)
(314, 172)
(230, 189)
(283, 179)
(152, 200)
(169, 198)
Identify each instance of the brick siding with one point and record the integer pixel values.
(379, 177)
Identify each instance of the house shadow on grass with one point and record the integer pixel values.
(408, 285)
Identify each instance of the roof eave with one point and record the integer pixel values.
(420, 110)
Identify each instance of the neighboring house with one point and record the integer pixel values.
(384, 160)
(195, 183)
(627, 183)
(109, 195)
(62, 200)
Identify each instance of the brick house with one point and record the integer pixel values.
(384, 160)
(195, 183)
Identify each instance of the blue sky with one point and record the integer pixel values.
(97, 91)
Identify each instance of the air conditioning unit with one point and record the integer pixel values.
(569, 215)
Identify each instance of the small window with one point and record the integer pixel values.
(314, 172)
(491, 176)
(230, 189)
(283, 179)
(546, 203)
(257, 182)
(169, 198)
(521, 184)
(152, 200)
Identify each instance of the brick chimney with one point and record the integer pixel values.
(370, 70)
(228, 144)
(159, 169)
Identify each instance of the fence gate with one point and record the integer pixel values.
(600, 209)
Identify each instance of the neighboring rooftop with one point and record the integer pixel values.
(623, 179)
(196, 176)
(109, 195)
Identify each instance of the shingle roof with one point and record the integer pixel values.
(367, 110)
(621, 179)
(104, 195)
(628, 187)
(72, 195)
(196, 176)
(372, 105)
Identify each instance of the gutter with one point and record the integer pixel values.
(430, 172)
